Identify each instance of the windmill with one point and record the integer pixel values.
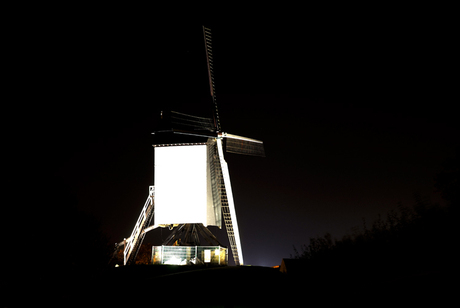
(192, 186)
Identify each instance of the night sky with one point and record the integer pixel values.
(356, 115)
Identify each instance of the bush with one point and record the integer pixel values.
(410, 240)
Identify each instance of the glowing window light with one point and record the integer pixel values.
(207, 256)
(174, 261)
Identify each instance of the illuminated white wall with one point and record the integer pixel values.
(182, 186)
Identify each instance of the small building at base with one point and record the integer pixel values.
(189, 255)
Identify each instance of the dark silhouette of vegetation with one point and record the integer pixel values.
(412, 240)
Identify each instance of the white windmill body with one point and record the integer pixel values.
(183, 188)
(192, 188)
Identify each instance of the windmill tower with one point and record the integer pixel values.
(192, 186)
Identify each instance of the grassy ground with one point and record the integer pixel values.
(246, 286)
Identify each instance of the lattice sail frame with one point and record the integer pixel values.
(212, 87)
(227, 203)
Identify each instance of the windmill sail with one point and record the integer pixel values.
(243, 145)
(182, 120)
(228, 206)
(212, 88)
